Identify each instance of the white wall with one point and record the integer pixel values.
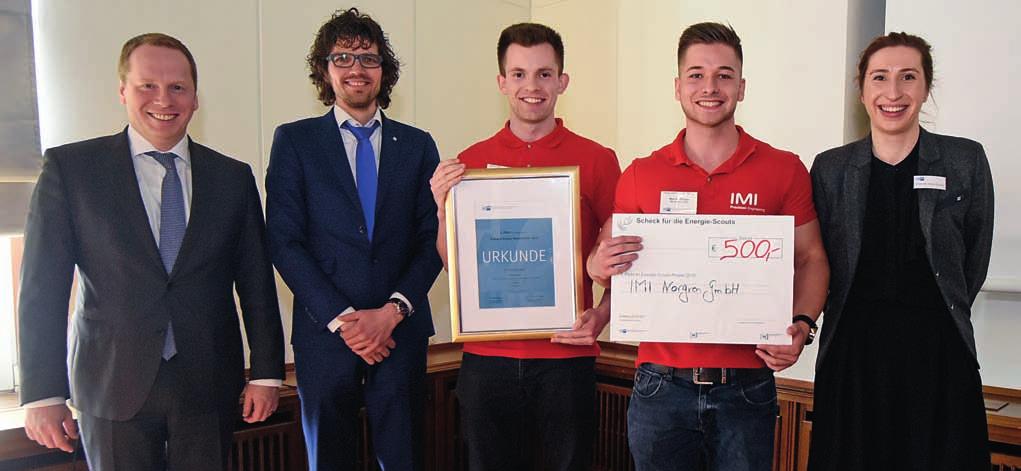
(589, 31)
(796, 83)
(77, 47)
(975, 95)
(253, 77)
(457, 96)
(621, 55)
(865, 20)
(648, 116)
(8, 345)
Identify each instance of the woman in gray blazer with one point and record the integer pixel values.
(907, 221)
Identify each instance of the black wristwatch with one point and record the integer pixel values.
(402, 307)
(812, 328)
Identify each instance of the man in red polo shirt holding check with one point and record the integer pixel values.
(715, 399)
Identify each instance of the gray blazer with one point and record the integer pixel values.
(957, 223)
(87, 213)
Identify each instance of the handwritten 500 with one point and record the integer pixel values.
(764, 249)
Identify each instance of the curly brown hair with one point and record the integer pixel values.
(351, 28)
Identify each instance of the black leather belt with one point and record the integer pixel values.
(709, 375)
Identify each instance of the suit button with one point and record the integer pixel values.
(937, 274)
(375, 260)
(361, 229)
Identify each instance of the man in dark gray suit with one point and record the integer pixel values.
(161, 230)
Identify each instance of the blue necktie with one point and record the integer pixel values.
(172, 226)
(365, 171)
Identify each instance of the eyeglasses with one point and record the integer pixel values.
(346, 59)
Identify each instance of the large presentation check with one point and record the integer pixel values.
(705, 279)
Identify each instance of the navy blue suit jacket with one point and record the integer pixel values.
(316, 226)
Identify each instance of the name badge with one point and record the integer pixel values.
(930, 182)
(678, 202)
(495, 166)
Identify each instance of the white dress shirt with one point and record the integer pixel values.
(149, 173)
(351, 149)
(351, 142)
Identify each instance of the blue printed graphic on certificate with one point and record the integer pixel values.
(515, 262)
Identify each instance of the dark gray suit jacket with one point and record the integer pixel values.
(957, 223)
(87, 212)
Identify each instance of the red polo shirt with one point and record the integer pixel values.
(778, 184)
(599, 171)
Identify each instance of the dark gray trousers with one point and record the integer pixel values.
(167, 433)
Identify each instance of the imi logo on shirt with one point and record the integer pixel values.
(745, 201)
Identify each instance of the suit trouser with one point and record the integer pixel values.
(516, 413)
(334, 383)
(167, 433)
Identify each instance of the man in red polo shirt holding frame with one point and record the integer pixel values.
(715, 399)
(512, 391)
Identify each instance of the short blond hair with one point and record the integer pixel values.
(155, 39)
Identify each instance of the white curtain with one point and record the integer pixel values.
(20, 159)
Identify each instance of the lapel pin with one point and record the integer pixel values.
(395, 138)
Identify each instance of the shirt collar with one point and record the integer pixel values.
(746, 145)
(139, 146)
(549, 141)
(342, 117)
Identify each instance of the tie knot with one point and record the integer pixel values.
(361, 132)
(166, 159)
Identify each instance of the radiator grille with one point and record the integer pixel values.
(611, 448)
(1002, 462)
(263, 449)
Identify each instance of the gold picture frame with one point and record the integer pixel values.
(514, 253)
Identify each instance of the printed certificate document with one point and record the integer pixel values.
(705, 279)
(515, 262)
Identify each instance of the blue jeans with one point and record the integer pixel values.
(675, 424)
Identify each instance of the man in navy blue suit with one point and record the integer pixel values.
(352, 227)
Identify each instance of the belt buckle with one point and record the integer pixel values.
(696, 376)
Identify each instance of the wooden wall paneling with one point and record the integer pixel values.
(785, 436)
(1003, 462)
(78, 466)
(804, 437)
(611, 451)
(446, 445)
(276, 444)
(1004, 424)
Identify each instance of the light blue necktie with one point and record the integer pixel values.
(365, 171)
(172, 226)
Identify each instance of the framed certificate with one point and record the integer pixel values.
(513, 253)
